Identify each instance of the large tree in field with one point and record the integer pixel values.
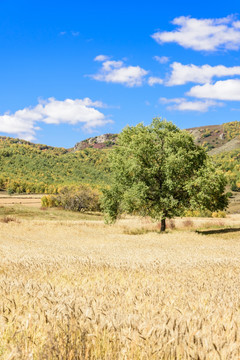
(159, 171)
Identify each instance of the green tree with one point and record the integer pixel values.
(159, 171)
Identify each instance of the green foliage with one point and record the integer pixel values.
(160, 172)
(206, 188)
(231, 129)
(229, 162)
(49, 201)
(206, 133)
(34, 168)
(31, 168)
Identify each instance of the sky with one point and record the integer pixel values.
(73, 69)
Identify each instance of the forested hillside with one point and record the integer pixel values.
(28, 167)
(223, 143)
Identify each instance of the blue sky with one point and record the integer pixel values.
(71, 69)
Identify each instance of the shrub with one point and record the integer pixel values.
(198, 213)
(49, 201)
(10, 191)
(81, 199)
(234, 186)
(219, 214)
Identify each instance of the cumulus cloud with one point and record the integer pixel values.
(203, 34)
(154, 80)
(221, 90)
(101, 58)
(161, 59)
(116, 72)
(23, 123)
(182, 74)
(182, 104)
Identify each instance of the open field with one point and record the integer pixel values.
(34, 201)
(26, 200)
(79, 289)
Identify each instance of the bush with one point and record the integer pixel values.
(229, 194)
(219, 214)
(81, 199)
(234, 187)
(198, 213)
(49, 201)
(10, 191)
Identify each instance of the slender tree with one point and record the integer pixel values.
(159, 171)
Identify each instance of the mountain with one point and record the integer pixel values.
(215, 138)
(29, 167)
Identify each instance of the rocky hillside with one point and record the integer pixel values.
(218, 138)
(97, 142)
(215, 138)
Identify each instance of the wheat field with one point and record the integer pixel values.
(84, 290)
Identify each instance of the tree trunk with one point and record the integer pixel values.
(163, 224)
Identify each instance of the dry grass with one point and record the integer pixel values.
(85, 290)
(7, 219)
(26, 212)
(26, 200)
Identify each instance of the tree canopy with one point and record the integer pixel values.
(159, 171)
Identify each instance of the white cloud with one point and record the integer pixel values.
(73, 33)
(221, 90)
(182, 74)
(14, 125)
(161, 59)
(117, 72)
(101, 58)
(154, 80)
(164, 100)
(182, 104)
(203, 34)
(23, 122)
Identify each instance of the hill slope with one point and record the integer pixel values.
(218, 138)
(29, 167)
(215, 138)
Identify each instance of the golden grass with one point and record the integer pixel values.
(30, 213)
(85, 290)
(26, 200)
